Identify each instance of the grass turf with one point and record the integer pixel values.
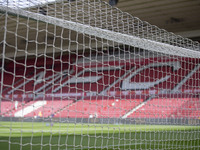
(65, 136)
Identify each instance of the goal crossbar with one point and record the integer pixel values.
(131, 40)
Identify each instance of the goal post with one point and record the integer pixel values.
(85, 75)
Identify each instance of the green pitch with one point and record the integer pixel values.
(65, 136)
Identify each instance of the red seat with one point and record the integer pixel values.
(99, 108)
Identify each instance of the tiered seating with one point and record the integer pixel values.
(175, 75)
(28, 79)
(7, 82)
(171, 74)
(193, 82)
(152, 74)
(8, 107)
(21, 105)
(190, 109)
(98, 80)
(99, 108)
(159, 108)
(101, 77)
(50, 108)
(24, 85)
(195, 114)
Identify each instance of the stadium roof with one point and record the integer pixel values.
(178, 16)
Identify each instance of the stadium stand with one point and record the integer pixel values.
(109, 108)
(159, 108)
(6, 107)
(50, 108)
(132, 80)
(190, 109)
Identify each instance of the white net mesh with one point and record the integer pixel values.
(84, 75)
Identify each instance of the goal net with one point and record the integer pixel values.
(81, 74)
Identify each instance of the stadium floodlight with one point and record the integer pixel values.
(85, 75)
